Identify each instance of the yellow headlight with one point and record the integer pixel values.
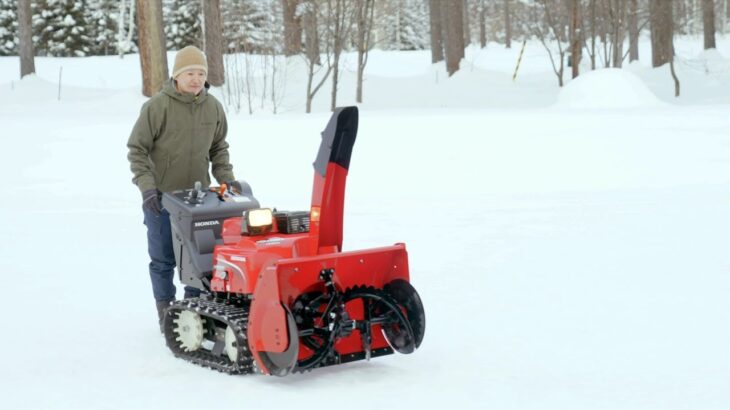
(257, 221)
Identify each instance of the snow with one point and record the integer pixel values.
(567, 258)
(607, 88)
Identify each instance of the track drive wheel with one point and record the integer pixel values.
(189, 328)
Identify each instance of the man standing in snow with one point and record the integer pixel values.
(180, 131)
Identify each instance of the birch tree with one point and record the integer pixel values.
(124, 35)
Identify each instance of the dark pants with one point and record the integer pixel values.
(162, 257)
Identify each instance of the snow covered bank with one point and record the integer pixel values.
(401, 80)
(607, 88)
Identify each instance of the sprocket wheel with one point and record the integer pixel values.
(231, 344)
(189, 327)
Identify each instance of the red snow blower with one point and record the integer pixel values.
(279, 293)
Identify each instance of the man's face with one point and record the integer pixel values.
(191, 81)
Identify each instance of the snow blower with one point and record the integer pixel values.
(279, 293)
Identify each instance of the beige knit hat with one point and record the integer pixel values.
(189, 58)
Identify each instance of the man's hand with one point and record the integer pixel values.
(151, 201)
(235, 186)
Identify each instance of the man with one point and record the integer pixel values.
(179, 133)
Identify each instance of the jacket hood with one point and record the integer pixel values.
(170, 89)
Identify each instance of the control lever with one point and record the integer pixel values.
(195, 195)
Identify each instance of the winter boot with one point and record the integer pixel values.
(191, 292)
(161, 309)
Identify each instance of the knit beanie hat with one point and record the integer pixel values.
(189, 58)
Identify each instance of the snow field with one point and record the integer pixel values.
(567, 258)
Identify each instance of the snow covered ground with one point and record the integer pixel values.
(570, 248)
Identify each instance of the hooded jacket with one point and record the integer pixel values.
(175, 139)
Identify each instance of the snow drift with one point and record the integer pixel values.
(608, 88)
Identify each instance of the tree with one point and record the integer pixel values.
(465, 21)
(592, 50)
(183, 24)
(404, 25)
(339, 22)
(437, 48)
(575, 36)
(60, 28)
(292, 28)
(365, 14)
(153, 57)
(125, 28)
(25, 34)
(102, 15)
(617, 15)
(708, 18)
(633, 30)
(451, 17)
(482, 24)
(507, 25)
(547, 26)
(214, 41)
(309, 10)
(246, 26)
(9, 27)
(660, 12)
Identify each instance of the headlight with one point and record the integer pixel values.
(257, 221)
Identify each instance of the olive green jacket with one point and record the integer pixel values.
(176, 137)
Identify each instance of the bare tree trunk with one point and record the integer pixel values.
(460, 23)
(551, 27)
(507, 25)
(337, 22)
(575, 37)
(153, 57)
(633, 30)
(292, 28)
(482, 24)
(618, 14)
(311, 35)
(661, 20)
(311, 32)
(708, 17)
(465, 19)
(25, 36)
(437, 47)
(593, 34)
(674, 74)
(365, 16)
(214, 41)
(451, 17)
(605, 30)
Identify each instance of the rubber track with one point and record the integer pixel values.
(232, 315)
